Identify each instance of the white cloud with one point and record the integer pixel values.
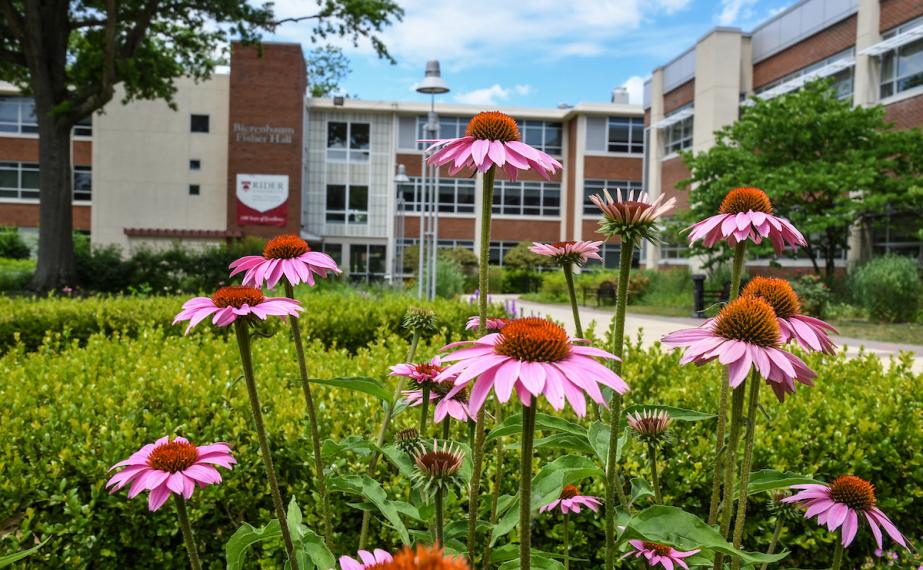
(635, 86)
(731, 10)
(492, 95)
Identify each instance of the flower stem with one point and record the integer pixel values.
(752, 403)
(477, 450)
(312, 420)
(740, 251)
(655, 478)
(440, 517)
(525, 486)
(569, 278)
(838, 554)
(382, 433)
(498, 479)
(730, 466)
(246, 359)
(187, 532)
(445, 428)
(566, 542)
(776, 533)
(613, 478)
(424, 410)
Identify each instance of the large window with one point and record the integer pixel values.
(902, 68)
(347, 204)
(498, 251)
(678, 136)
(543, 135)
(348, 141)
(198, 123)
(19, 180)
(591, 187)
(610, 252)
(17, 115)
(83, 183)
(626, 134)
(456, 195)
(527, 198)
(841, 81)
(367, 262)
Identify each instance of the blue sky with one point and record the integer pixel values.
(535, 53)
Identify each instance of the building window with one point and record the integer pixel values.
(678, 136)
(527, 198)
(456, 195)
(611, 252)
(591, 187)
(348, 141)
(83, 183)
(198, 123)
(347, 204)
(544, 135)
(17, 115)
(449, 128)
(626, 134)
(84, 127)
(498, 251)
(902, 67)
(195, 164)
(367, 262)
(334, 250)
(19, 180)
(194, 190)
(841, 81)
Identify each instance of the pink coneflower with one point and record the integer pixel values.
(491, 139)
(745, 334)
(454, 406)
(810, 333)
(840, 503)
(369, 560)
(571, 500)
(286, 255)
(228, 303)
(662, 554)
(534, 356)
(421, 372)
(746, 213)
(493, 323)
(167, 466)
(568, 252)
(628, 217)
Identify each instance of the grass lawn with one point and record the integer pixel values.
(904, 333)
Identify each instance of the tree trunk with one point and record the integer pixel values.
(55, 267)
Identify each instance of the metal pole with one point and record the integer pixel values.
(421, 241)
(434, 181)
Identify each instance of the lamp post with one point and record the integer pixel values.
(431, 85)
(399, 179)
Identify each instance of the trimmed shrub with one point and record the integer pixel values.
(450, 282)
(814, 294)
(11, 244)
(15, 274)
(889, 288)
(554, 286)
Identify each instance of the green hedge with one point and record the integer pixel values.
(347, 318)
(67, 414)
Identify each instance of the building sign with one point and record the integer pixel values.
(263, 134)
(262, 200)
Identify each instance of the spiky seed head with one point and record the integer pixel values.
(650, 426)
(785, 511)
(439, 468)
(408, 440)
(419, 319)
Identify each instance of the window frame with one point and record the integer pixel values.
(21, 126)
(351, 216)
(593, 186)
(414, 188)
(367, 275)
(518, 189)
(632, 146)
(350, 153)
(893, 59)
(671, 144)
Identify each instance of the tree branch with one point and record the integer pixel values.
(13, 18)
(277, 23)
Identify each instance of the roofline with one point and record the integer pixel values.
(418, 108)
(702, 37)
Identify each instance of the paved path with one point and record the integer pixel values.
(653, 328)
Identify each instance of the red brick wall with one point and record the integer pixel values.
(26, 216)
(267, 87)
(671, 172)
(821, 45)
(613, 168)
(906, 114)
(678, 97)
(896, 12)
(522, 230)
(449, 228)
(26, 150)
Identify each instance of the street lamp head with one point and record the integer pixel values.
(401, 176)
(432, 83)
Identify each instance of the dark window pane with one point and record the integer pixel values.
(358, 258)
(198, 123)
(336, 135)
(376, 259)
(9, 110)
(334, 250)
(533, 136)
(30, 179)
(359, 136)
(359, 198)
(336, 197)
(193, 189)
(553, 137)
(9, 178)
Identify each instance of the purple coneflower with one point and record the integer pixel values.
(229, 303)
(662, 554)
(628, 217)
(568, 252)
(571, 501)
(810, 333)
(286, 255)
(368, 560)
(746, 214)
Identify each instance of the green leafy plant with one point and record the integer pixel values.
(889, 288)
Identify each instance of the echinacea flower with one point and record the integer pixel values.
(437, 468)
(408, 440)
(419, 319)
(170, 466)
(568, 252)
(745, 334)
(746, 213)
(229, 303)
(493, 323)
(421, 372)
(840, 503)
(424, 558)
(491, 139)
(368, 560)
(286, 256)
(571, 500)
(650, 425)
(662, 554)
(454, 406)
(535, 356)
(631, 218)
(810, 333)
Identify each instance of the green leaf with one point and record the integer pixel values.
(543, 422)
(566, 441)
(640, 488)
(770, 479)
(598, 436)
(310, 548)
(364, 384)
(677, 414)
(370, 489)
(685, 531)
(539, 562)
(246, 536)
(359, 445)
(8, 559)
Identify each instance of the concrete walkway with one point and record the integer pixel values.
(653, 328)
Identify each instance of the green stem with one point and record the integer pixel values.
(525, 485)
(498, 479)
(740, 251)
(838, 554)
(776, 533)
(745, 468)
(566, 542)
(246, 359)
(382, 433)
(613, 478)
(312, 420)
(477, 450)
(569, 278)
(730, 466)
(424, 410)
(440, 517)
(186, 528)
(445, 428)
(655, 478)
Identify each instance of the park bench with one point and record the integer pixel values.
(604, 293)
(703, 298)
